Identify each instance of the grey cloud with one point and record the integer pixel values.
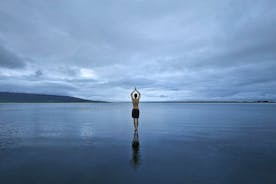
(45, 87)
(169, 49)
(9, 59)
(38, 73)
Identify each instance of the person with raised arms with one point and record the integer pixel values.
(135, 97)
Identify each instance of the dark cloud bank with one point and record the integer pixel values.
(170, 50)
(9, 59)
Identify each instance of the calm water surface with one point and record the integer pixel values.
(177, 143)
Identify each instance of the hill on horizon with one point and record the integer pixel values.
(38, 98)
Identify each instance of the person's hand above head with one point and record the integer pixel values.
(137, 92)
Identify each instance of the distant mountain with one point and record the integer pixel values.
(38, 98)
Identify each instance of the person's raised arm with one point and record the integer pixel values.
(139, 94)
(131, 94)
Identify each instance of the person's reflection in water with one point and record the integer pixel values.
(135, 150)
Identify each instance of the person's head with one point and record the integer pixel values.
(135, 95)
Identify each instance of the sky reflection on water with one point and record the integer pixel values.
(178, 143)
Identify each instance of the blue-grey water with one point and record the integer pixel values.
(178, 143)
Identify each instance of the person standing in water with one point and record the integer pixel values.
(135, 97)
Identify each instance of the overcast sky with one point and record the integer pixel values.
(170, 50)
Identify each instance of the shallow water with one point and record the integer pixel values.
(177, 143)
